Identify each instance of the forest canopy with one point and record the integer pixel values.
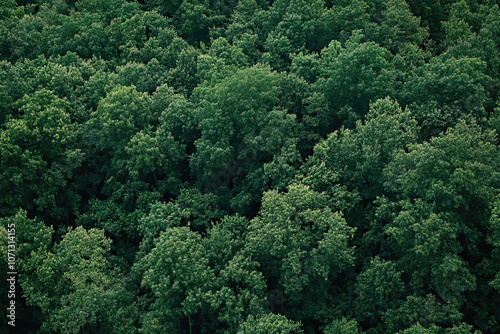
(251, 166)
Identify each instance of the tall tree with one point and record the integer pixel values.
(301, 245)
(38, 158)
(72, 282)
(176, 272)
(443, 193)
(353, 77)
(243, 126)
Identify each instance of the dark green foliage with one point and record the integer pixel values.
(342, 326)
(270, 324)
(242, 127)
(301, 244)
(38, 157)
(353, 77)
(377, 287)
(251, 166)
(71, 283)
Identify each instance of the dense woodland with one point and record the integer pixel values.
(252, 166)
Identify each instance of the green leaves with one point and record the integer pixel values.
(178, 275)
(281, 166)
(158, 155)
(270, 324)
(121, 115)
(452, 278)
(445, 90)
(398, 27)
(456, 170)
(238, 115)
(443, 191)
(239, 292)
(355, 76)
(299, 242)
(71, 282)
(348, 164)
(377, 287)
(426, 311)
(342, 326)
(39, 157)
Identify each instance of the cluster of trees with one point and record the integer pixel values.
(252, 166)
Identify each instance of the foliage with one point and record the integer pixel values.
(251, 166)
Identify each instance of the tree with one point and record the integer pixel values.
(194, 20)
(436, 103)
(432, 14)
(131, 156)
(300, 244)
(241, 126)
(119, 116)
(418, 329)
(144, 77)
(463, 163)
(342, 326)
(378, 288)
(239, 288)
(437, 223)
(355, 158)
(243, 21)
(183, 77)
(39, 158)
(260, 166)
(176, 272)
(238, 293)
(9, 16)
(270, 324)
(426, 310)
(395, 28)
(154, 159)
(295, 32)
(161, 217)
(494, 237)
(353, 77)
(221, 61)
(347, 18)
(167, 8)
(456, 27)
(71, 283)
(32, 240)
